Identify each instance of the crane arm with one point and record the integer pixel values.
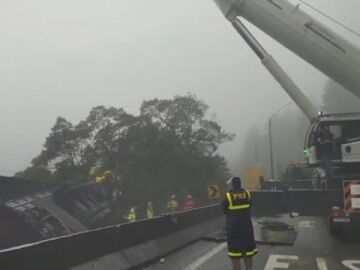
(303, 35)
(278, 73)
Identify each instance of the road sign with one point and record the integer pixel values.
(355, 189)
(352, 196)
(355, 202)
(214, 191)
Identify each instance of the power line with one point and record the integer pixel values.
(329, 17)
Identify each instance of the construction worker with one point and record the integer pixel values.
(324, 143)
(239, 227)
(93, 172)
(173, 204)
(149, 210)
(189, 203)
(131, 217)
(116, 193)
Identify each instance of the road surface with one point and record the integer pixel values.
(313, 249)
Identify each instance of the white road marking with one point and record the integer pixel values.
(203, 259)
(273, 262)
(306, 224)
(351, 264)
(321, 264)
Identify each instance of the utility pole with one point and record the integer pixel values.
(271, 151)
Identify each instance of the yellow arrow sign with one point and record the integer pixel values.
(214, 191)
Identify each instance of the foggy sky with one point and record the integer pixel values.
(61, 58)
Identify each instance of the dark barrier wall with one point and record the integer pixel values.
(72, 250)
(304, 202)
(314, 202)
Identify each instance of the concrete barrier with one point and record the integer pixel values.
(267, 202)
(137, 243)
(313, 202)
(140, 254)
(116, 260)
(124, 246)
(304, 202)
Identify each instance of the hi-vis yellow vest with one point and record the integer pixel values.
(132, 216)
(150, 212)
(238, 200)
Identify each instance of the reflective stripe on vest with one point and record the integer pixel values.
(235, 254)
(236, 207)
(252, 253)
(240, 255)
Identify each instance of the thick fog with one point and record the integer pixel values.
(61, 58)
(289, 127)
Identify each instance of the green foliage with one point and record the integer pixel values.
(171, 147)
(39, 173)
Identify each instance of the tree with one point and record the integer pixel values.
(181, 147)
(184, 118)
(171, 147)
(39, 173)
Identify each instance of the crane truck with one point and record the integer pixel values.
(333, 55)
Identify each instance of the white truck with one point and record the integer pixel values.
(328, 52)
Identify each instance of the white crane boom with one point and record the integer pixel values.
(276, 70)
(302, 34)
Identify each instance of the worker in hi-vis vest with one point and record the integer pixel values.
(172, 205)
(239, 228)
(131, 217)
(149, 210)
